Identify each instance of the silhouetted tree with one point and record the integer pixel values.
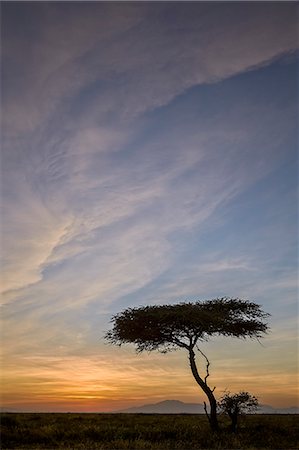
(184, 325)
(236, 405)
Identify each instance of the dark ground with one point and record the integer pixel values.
(144, 431)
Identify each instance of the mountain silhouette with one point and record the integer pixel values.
(178, 407)
(167, 407)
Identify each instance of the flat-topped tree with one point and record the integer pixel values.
(185, 325)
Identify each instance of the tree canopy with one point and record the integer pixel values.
(165, 327)
(240, 403)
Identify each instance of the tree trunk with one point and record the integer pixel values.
(234, 418)
(209, 393)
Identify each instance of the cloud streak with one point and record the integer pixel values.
(141, 62)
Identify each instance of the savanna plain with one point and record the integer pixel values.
(144, 431)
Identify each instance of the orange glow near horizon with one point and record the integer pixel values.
(96, 385)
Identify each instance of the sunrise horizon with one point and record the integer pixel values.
(125, 406)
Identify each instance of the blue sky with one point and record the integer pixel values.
(149, 155)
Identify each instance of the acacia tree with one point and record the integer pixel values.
(185, 325)
(237, 404)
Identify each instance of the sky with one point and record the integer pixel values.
(149, 156)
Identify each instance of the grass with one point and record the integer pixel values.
(144, 431)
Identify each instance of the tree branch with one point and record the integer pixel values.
(180, 343)
(207, 366)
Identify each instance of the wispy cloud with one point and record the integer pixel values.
(141, 62)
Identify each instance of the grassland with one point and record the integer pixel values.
(150, 431)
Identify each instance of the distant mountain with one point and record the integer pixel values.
(8, 410)
(167, 407)
(267, 409)
(175, 407)
(178, 407)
